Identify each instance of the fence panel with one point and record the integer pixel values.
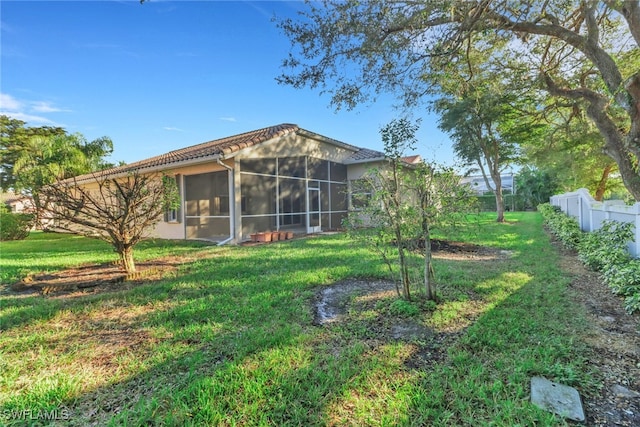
(590, 214)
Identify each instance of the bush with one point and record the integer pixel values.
(15, 226)
(624, 280)
(604, 250)
(606, 246)
(565, 228)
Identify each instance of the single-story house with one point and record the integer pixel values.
(479, 185)
(17, 203)
(278, 178)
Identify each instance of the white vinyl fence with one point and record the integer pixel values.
(591, 214)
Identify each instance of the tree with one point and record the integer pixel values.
(481, 125)
(443, 202)
(570, 152)
(14, 138)
(402, 203)
(43, 160)
(582, 52)
(118, 210)
(535, 186)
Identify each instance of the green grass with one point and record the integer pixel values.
(46, 252)
(229, 340)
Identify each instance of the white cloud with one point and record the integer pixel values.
(8, 102)
(28, 111)
(173, 129)
(46, 107)
(228, 119)
(27, 117)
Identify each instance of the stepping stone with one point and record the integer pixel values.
(557, 398)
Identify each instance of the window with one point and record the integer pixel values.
(360, 194)
(171, 215)
(175, 215)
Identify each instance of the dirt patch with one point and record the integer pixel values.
(331, 303)
(459, 250)
(95, 278)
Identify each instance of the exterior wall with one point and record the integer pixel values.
(356, 171)
(295, 145)
(590, 214)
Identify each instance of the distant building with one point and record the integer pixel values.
(18, 203)
(412, 160)
(479, 186)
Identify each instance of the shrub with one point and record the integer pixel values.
(604, 250)
(606, 246)
(15, 226)
(565, 228)
(623, 279)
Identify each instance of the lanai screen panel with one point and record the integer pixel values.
(258, 195)
(274, 193)
(207, 206)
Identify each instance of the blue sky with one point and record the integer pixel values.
(166, 75)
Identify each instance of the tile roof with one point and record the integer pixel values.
(226, 146)
(365, 155)
(412, 160)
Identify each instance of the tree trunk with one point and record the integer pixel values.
(602, 184)
(499, 204)
(404, 270)
(126, 256)
(429, 284)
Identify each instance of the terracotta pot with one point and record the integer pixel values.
(263, 237)
(289, 235)
(282, 235)
(254, 237)
(274, 236)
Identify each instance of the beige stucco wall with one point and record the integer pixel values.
(356, 171)
(295, 145)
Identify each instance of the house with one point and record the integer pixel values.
(479, 185)
(281, 177)
(17, 203)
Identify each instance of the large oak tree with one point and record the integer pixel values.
(583, 52)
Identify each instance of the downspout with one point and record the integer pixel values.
(232, 210)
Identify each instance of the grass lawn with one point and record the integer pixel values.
(229, 340)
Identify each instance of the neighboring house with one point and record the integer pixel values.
(412, 160)
(479, 186)
(23, 204)
(277, 178)
(18, 203)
